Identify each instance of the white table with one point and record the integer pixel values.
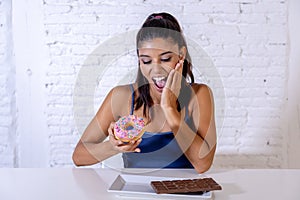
(92, 184)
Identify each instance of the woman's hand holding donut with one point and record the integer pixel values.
(121, 146)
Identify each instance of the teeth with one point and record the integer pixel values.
(159, 78)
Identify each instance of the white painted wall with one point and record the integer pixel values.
(293, 109)
(30, 58)
(44, 44)
(7, 89)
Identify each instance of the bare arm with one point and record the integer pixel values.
(92, 148)
(199, 147)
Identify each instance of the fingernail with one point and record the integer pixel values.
(137, 150)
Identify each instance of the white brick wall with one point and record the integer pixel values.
(251, 34)
(247, 41)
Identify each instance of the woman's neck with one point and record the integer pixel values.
(155, 96)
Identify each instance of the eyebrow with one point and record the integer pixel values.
(167, 52)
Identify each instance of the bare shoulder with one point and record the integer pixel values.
(120, 91)
(122, 88)
(202, 90)
(118, 100)
(202, 97)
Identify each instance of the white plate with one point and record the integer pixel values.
(139, 186)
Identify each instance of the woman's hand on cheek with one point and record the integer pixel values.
(172, 88)
(121, 146)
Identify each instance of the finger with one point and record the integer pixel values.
(170, 79)
(112, 125)
(114, 141)
(111, 133)
(176, 83)
(178, 71)
(111, 128)
(135, 143)
(131, 146)
(137, 150)
(127, 148)
(179, 66)
(138, 141)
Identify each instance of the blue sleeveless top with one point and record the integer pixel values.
(158, 150)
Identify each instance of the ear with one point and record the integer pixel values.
(182, 53)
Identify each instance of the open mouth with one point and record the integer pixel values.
(160, 82)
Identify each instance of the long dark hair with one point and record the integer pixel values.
(163, 25)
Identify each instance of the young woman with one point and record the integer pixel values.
(180, 130)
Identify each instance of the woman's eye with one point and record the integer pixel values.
(165, 59)
(145, 62)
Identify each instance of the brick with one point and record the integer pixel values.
(3, 133)
(90, 29)
(227, 149)
(5, 121)
(2, 49)
(58, 50)
(57, 9)
(60, 2)
(248, 161)
(277, 50)
(236, 113)
(264, 7)
(253, 18)
(274, 162)
(82, 49)
(252, 29)
(60, 109)
(69, 19)
(198, 18)
(62, 62)
(62, 139)
(58, 29)
(235, 122)
(259, 150)
(231, 19)
(245, 1)
(102, 2)
(62, 90)
(274, 18)
(99, 9)
(275, 82)
(5, 111)
(254, 50)
(211, 8)
(228, 72)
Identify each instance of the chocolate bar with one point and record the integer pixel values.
(185, 186)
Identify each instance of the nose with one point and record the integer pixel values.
(156, 64)
(157, 67)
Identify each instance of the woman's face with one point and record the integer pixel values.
(157, 57)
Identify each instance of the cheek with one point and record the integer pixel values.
(168, 67)
(144, 71)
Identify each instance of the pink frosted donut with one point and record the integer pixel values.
(129, 128)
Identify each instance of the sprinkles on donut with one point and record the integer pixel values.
(129, 128)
